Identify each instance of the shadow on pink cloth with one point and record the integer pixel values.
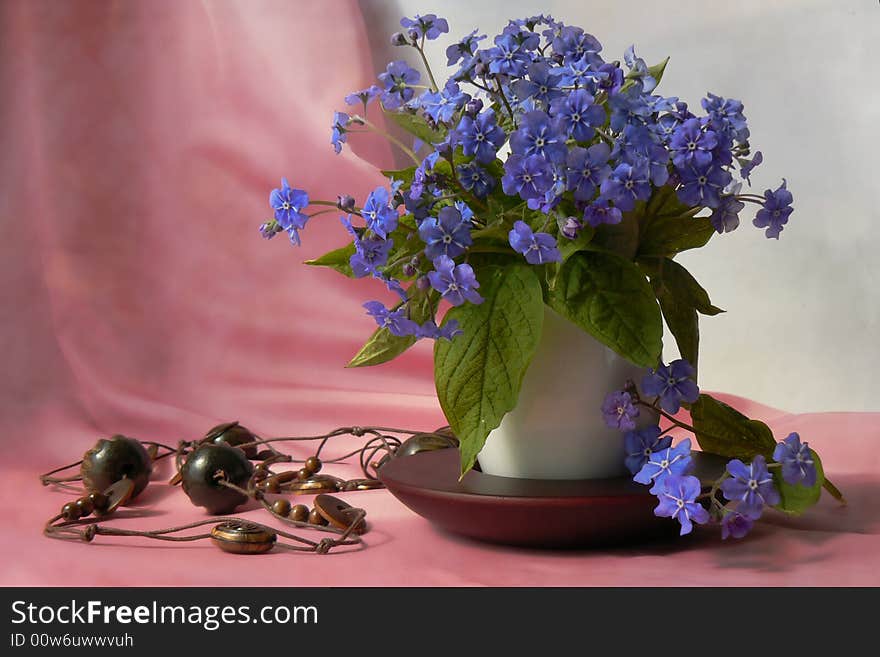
(140, 144)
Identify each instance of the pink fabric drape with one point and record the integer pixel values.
(140, 141)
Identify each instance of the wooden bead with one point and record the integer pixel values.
(313, 464)
(303, 474)
(115, 458)
(299, 513)
(85, 506)
(338, 513)
(70, 511)
(281, 507)
(315, 518)
(200, 481)
(99, 501)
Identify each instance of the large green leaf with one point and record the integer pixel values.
(681, 298)
(796, 499)
(337, 259)
(608, 297)
(723, 430)
(478, 375)
(383, 345)
(416, 126)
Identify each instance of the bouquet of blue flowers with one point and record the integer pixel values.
(543, 174)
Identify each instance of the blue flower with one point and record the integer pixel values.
(664, 463)
(508, 57)
(735, 524)
(341, 121)
(364, 96)
(447, 234)
(530, 177)
(381, 218)
(673, 384)
(601, 212)
(395, 321)
(587, 168)
(288, 204)
(777, 208)
(582, 72)
(369, 253)
(641, 445)
(442, 105)
(702, 185)
(746, 166)
(446, 332)
(396, 80)
(428, 26)
(618, 410)
(475, 179)
(691, 145)
(455, 283)
(542, 85)
(573, 43)
(577, 115)
(726, 117)
(538, 134)
(678, 500)
(628, 107)
(798, 466)
(725, 218)
(750, 485)
(627, 184)
(464, 49)
(480, 136)
(609, 78)
(538, 248)
(638, 70)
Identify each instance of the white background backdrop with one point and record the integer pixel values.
(801, 328)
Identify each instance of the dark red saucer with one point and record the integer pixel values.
(530, 512)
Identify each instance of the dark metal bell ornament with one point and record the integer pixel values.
(113, 459)
(203, 471)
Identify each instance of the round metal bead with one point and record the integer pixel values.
(242, 537)
(202, 470)
(70, 511)
(281, 507)
(315, 518)
(85, 506)
(115, 458)
(299, 513)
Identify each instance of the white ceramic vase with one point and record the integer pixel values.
(556, 430)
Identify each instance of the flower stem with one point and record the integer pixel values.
(421, 49)
(504, 99)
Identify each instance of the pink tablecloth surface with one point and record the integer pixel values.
(140, 141)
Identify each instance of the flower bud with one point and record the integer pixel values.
(398, 39)
(414, 35)
(409, 269)
(345, 203)
(474, 106)
(481, 68)
(423, 283)
(570, 226)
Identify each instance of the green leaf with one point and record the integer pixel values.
(406, 175)
(416, 126)
(621, 239)
(568, 248)
(668, 226)
(383, 345)
(336, 259)
(380, 348)
(657, 70)
(796, 499)
(478, 375)
(610, 299)
(723, 430)
(681, 318)
(681, 298)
